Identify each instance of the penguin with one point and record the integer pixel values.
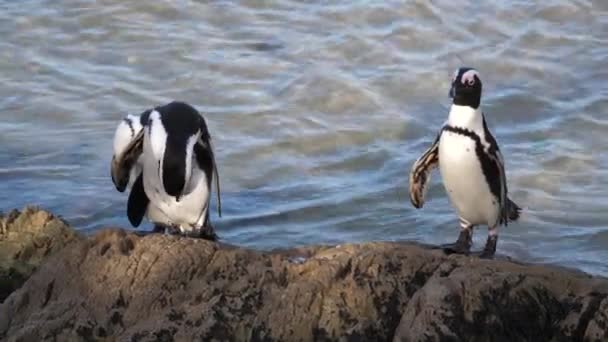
(471, 166)
(177, 161)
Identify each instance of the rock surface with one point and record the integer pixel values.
(26, 239)
(119, 286)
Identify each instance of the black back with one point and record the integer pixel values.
(181, 121)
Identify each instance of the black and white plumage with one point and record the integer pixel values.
(170, 164)
(471, 166)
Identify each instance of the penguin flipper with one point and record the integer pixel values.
(420, 174)
(513, 211)
(138, 202)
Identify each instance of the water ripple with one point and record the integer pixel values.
(317, 110)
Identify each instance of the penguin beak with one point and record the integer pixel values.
(118, 178)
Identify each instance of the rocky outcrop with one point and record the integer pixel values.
(120, 286)
(26, 239)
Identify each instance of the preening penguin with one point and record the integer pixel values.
(178, 165)
(471, 166)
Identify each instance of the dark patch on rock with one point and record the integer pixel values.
(165, 335)
(116, 319)
(10, 280)
(139, 336)
(418, 280)
(101, 332)
(592, 308)
(320, 334)
(344, 271)
(120, 302)
(259, 334)
(49, 292)
(104, 248)
(126, 246)
(175, 316)
(85, 332)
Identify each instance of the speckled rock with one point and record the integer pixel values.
(26, 238)
(120, 286)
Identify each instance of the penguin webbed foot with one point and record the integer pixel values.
(165, 229)
(207, 233)
(489, 250)
(461, 246)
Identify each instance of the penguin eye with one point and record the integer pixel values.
(471, 81)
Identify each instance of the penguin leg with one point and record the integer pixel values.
(207, 232)
(490, 249)
(167, 229)
(464, 242)
(159, 228)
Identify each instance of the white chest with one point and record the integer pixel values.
(187, 213)
(464, 180)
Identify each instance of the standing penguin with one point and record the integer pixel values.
(471, 166)
(178, 164)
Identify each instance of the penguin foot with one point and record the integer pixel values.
(462, 245)
(208, 233)
(158, 228)
(165, 229)
(490, 249)
(205, 233)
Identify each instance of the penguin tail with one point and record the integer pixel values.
(513, 210)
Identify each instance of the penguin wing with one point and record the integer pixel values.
(205, 159)
(138, 202)
(420, 174)
(495, 156)
(123, 163)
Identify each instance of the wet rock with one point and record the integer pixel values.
(120, 286)
(26, 239)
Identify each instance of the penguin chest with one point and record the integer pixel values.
(189, 213)
(464, 180)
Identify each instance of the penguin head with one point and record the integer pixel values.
(127, 130)
(466, 87)
(173, 130)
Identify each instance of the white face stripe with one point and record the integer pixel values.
(469, 77)
(125, 133)
(158, 136)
